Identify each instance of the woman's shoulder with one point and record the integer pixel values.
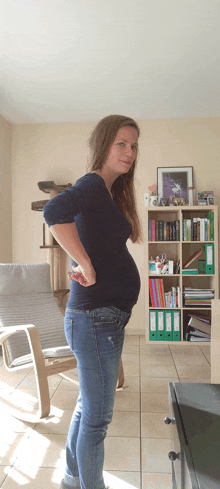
(89, 182)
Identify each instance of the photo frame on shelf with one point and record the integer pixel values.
(206, 197)
(175, 182)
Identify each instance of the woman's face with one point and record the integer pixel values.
(123, 151)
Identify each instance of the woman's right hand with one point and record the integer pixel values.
(86, 275)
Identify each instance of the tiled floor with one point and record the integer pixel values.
(32, 456)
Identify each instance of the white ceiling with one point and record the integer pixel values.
(80, 60)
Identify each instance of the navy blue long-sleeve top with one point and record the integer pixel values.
(103, 231)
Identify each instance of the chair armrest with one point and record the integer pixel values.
(9, 330)
(38, 361)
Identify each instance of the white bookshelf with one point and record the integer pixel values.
(181, 250)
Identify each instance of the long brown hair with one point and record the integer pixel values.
(122, 189)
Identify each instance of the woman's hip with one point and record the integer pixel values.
(100, 329)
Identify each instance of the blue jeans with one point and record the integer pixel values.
(96, 337)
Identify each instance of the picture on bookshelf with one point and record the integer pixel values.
(174, 182)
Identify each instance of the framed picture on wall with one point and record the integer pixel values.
(174, 182)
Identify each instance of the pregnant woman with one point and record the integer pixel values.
(92, 221)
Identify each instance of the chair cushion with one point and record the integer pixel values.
(49, 353)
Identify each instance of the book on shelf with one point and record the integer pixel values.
(198, 297)
(160, 298)
(190, 271)
(199, 315)
(210, 217)
(177, 267)
(192, 292)
(193, 335)
(164, 325)
(200, 325)
(159, 230)
(199, 229)
(197, 330)
(202, 301)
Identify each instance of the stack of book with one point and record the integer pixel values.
(163, 231)
(199, 229)
(199, 328)
(160, 298)
(198, 297)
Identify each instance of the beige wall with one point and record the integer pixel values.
(58, 152)
(5, 192)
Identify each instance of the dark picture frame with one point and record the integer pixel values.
(174, 181)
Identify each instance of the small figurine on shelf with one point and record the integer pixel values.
(153, 196)
(173, 200)
(158, 265)
(177, 200)
(164, 201)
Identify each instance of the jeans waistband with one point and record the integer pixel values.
(93, 312)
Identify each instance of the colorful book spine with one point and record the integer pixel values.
(165, 231)
(162, 292)
(149, 231)
(156, 230)
(210, 217)
(177, 222)
(195, 228)
(188, 230)
(184, 229)
(198, 228)
(202, 230)
(153, 230)
(178, 297)
(190, 302)
(161, 232)
(157, 292)
(151, 293)
(206, 229)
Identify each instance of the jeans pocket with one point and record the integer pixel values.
(68, 326)
(106, 318)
